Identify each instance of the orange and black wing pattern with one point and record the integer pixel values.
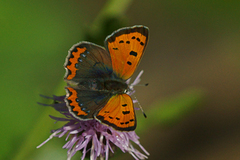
(126, 47)
(118, 113)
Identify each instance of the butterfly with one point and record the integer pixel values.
(96, 77)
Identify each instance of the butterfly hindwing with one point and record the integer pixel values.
(84, 104)
(118, 113)
(126, 47)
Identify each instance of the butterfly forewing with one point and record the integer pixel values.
(118, 113)
(126, 47)
(87, 60)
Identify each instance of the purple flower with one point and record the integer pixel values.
(91, 137)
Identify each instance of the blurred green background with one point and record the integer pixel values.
(192, 63)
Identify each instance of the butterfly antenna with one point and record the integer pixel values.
(140, 107)
(146, 84)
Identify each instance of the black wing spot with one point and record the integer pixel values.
(124, 105)
(126, 122)
(133, 37)
(115, 48)
(131, 120)
(69, 72)
(110, 117)
(121, 41)
(129, 63)
(106, 111)
(117, 118)
(69, 101)
(128, 42)
(125, 112)
(142, 43)
(122, 123)
(138, 39)
(68, 63)
(75, 49)
(133, 53)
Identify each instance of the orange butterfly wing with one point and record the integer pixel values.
(126, 47)
(118, 113)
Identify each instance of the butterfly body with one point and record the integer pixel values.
(96, 78)
(115, 87)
